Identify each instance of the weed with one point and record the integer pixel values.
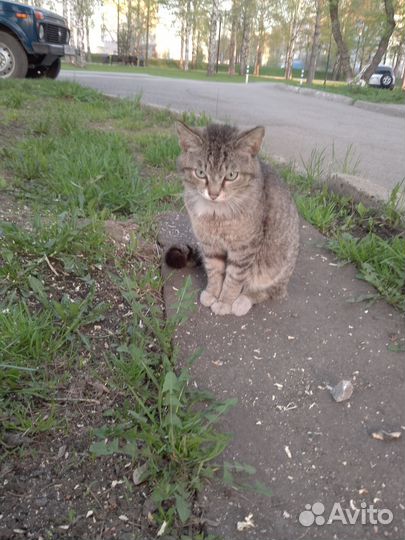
(81, 169)
(320, 213)
(159, 150)
(164, 426)
(381, 262)
(378, 250)
(71, 243)
(394, 209)
(193, 119)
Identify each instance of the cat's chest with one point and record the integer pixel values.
(217, 231)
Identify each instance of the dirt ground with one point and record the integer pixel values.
(50, 485)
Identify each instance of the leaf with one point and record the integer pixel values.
(140, 474)
(183, 508)
(169, 382)
(258, 487)
(104, 448)
(38, 288)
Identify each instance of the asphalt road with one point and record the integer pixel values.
(296, 125)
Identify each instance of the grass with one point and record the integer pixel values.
(74, 304)
(372, 239)
(159, 150)
(375, 95)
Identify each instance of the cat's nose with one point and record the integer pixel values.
(214, 196)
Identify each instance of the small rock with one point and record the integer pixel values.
(386, 435)
(61, 451)
(342, 391)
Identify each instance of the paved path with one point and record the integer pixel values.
(277, 361)
(295, 124)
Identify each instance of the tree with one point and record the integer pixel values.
(212, 44)
(232, 40)
(344, 56)
(245, 46)
(389, 26)
(265, 10)
(315, 43)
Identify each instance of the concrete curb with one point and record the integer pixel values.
(388, 109)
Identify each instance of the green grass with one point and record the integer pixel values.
(73, 245)
(159, 150)
(74, 158)
(372, 239)
(381, 262)
(168, 428)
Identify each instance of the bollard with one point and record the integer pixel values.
(247, 75)
(302, 76)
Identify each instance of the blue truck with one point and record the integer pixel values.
(32, 41)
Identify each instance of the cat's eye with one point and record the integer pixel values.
(200, 173)
(232, 175)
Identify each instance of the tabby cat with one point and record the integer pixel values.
(242, 216)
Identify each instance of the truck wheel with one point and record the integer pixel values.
(53, 71)
(13, 60)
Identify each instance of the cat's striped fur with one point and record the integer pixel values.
(242, 215)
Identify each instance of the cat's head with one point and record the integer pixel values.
(219, 163)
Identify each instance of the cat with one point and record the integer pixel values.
(242, 215)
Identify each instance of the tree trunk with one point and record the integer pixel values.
(182, 43)
(187, 35)
(194, 40)
(385, 38)
(289, 60)
(341, 45)
(400, 56)
(260, 46)
(315, 43)
(244, 52)
(147, 32)
(232, 44)
(88, 52)
(212, 45)
(65, 9)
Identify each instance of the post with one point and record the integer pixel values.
(247, 74)
(302, 76)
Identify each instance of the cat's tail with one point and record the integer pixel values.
(182, 255)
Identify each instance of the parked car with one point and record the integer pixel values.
(32, 41)
(383, 77)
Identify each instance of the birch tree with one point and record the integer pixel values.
(212, 44)
(315, 43)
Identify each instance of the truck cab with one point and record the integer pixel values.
(32, 41)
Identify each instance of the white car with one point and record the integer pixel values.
(383, 77)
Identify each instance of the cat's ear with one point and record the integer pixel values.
(251, 141)
(188, 138)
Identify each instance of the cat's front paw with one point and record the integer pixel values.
(242, 305)
(207, 299)
(220, 308)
